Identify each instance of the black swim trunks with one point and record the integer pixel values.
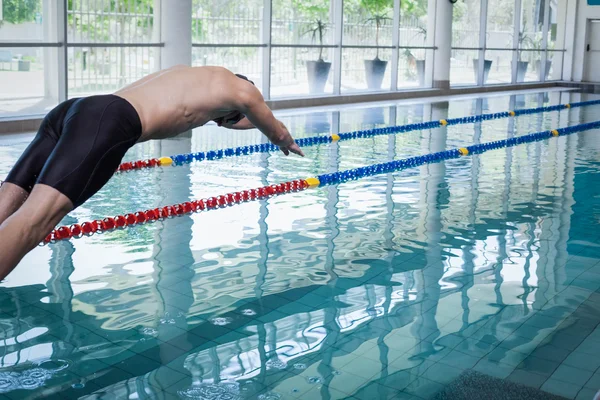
(79, 146)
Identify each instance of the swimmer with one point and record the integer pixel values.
(81, 143)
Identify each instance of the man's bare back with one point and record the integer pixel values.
(181, 98)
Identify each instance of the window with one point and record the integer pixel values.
(413, 34)
(95, 64)
(367, 24)
(229, 23)
(302, 54)
(25, 71)
(464, 65)
(500, 35)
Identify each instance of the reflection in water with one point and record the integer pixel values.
(366, 288)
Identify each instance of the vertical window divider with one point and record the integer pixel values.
(544, 49)
(516, 34)
(266, 35)
(337, 7)
(63, 67)
(395, 44)
(482, 42)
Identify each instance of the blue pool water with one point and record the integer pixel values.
(448, 278)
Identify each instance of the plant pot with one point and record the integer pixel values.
(375, 71)
(487, 65)
(421, 72)
(24, 65)
(522, 70)
(538, 64)
(318, 73)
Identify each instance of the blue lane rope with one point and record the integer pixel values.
(368, 133)
(393, 166)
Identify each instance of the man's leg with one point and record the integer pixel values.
(28, 226)
(11, 198)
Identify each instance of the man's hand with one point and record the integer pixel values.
(286, 142)
(293, 148)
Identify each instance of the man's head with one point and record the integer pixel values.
(235, 116)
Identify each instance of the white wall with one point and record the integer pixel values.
(575, 60)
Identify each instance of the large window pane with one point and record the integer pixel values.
(227, 21)
(301, 70)
(500, 24)
(241, 60)
(413, 33)
(107, 69)
(466, 17)
(291, 68)
(116, 21)
(94, 70)
(301, 22)
(463, 67)
(530, 40)
(368, 22)
(500, 34)
(554, 62)
(534, 60)
(21, 21)
(23, 78)
(411, 68)
(366, 69)
(501, 68)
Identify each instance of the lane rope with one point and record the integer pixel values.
(230, 199)
(181, 159)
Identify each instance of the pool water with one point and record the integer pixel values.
(473, 276)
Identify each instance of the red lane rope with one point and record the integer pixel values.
(142, 217)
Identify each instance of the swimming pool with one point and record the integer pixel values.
(392, 286)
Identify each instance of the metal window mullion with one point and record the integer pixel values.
(482, 41)
(338, 21)
(63, 67)
(516, 34)
(266, 52)
(544, 55)
(395, 44)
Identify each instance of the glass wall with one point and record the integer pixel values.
(109, 44)
(25, 69)
(466, 21)
(228, 33)
(367, 24)
(413, 43)
(289, 48)
(302, 54)
(500, 40)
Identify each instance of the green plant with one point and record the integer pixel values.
(317, 29)
(316, 12)
(378, 10)
(28, 58)
(19, 11)
(378, 20)
(416, 8)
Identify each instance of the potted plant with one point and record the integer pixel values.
(317, 70)
(25, 63)
(525, 41)
(375, 68)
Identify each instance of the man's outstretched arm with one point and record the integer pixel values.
(249, 101)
